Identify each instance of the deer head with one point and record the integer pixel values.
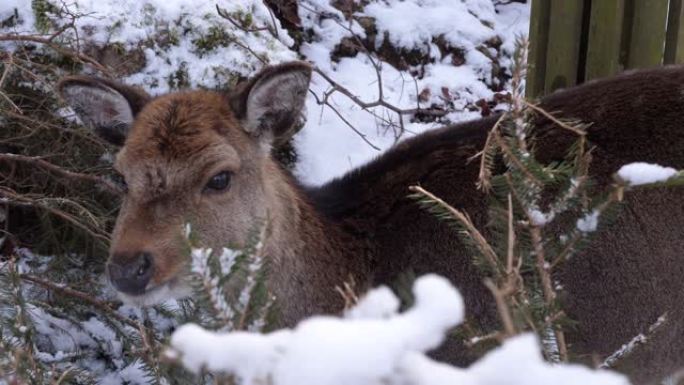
(194, 157)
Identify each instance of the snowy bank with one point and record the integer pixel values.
(457, 56)
(374, 344)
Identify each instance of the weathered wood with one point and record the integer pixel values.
(674, 40)
(539, 38)
(565, 32)
(605, 36)
(647, 43)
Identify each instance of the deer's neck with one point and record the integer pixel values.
(310, 255)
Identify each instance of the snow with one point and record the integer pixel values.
(460, 23)
(327, 148)
(539, 218)
(589, 222)
(24, 11)
(371, 347)
(135, 23)
(640, 173)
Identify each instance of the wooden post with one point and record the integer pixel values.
(539, 38)
(648, 33)
(605, 36)
(674, 40)
(565, 33)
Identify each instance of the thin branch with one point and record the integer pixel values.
(336, 87)
(635, 342)
(42, 163)
(502, 307)
(81, 296)
(510, 254)
(239, 25)
(480, 240)
(485, 174)
(13, 199)
(64, 51)
(507, 150)
(552, 118)
(544, 270)
(345, 121)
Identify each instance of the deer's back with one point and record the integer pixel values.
(616, 288)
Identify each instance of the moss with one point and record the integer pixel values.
(214, 38)
(180, 78)
(41, 11)
(114, 27)
(149, 14)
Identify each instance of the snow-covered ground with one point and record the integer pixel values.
(182, 45)
(327, 147)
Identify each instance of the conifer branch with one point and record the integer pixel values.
(65, 290)
(555, 120)
(473, 232)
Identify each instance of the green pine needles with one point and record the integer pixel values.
(231, 285)
(540, 215)
(51, 333)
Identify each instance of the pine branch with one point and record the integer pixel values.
(474, 234)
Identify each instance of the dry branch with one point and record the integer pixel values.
(82, 297)
(68, 174)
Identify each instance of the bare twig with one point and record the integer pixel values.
(240, 24)
(82, 297)
(48, 41)
(502, 307)
(345, 121)
(42, 163)
(510, 255)
(336, 87)
(13, 199)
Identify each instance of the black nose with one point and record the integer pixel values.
(132, 276)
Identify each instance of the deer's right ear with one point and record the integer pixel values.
(105, 106)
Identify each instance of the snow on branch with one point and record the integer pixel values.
(373, 347)
(640, 173)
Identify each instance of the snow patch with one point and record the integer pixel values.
(589, 222)
(373, 348)
(460, 23)
(640, 173)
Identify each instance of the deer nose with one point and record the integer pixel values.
(132, 276)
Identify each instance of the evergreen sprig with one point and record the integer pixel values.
(540, 215)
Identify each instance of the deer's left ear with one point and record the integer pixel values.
(271, 104)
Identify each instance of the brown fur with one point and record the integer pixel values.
(364, 225)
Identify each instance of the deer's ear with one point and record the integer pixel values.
(105, 106)
(271, 104)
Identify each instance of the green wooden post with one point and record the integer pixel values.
(605, 36)
(674, 40)
(562, 56)
(539, 38)
(648, 33)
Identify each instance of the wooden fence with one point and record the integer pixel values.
(572, 41)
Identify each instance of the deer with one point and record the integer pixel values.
(204, 157)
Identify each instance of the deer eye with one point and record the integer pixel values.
(218, 182)
(120, 181)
